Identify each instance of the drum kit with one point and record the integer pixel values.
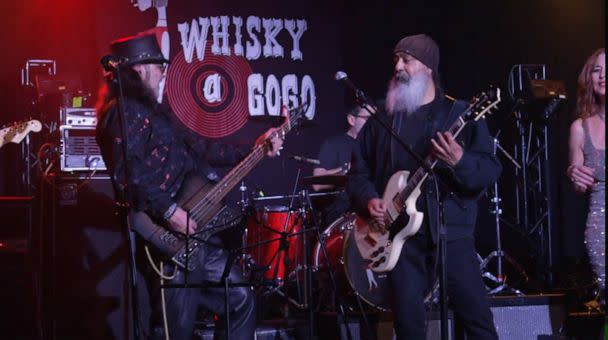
(275, 251)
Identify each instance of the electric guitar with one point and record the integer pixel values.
(203, 201)
(382, 244)
(16, 132)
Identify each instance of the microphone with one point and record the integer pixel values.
(304, 159)
(343, 77)
(110, 62)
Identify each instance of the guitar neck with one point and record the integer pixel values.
(478, 107)
(236, 175)
(17, 132)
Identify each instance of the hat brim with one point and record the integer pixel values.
(148, 61)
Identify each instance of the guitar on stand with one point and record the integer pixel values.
(17, 132)
(380, 244)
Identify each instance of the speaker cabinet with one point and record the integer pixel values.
(16, 214)
(20, 293)
(529, 317)
(86, 258)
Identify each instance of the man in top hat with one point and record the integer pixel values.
(418, 110)
(160, 154)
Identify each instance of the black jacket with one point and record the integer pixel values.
(476, 170)
(160, 154)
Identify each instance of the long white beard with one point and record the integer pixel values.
(406, 94)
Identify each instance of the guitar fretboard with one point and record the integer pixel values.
(429, 162)
(234, 176)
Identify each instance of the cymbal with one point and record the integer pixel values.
(314, 194)
(337, 180)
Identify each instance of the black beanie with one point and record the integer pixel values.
(421, 47)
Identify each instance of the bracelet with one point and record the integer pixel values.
(169, 213)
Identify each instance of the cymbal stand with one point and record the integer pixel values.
(283, 251)
(306, 206)
(248, 263)
(499, 254)
(276, 284)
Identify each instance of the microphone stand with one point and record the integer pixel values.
(366, 104)
(123, 208)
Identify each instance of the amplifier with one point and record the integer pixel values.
(530, 317)
(79, 149)
(16, 224)
(78, 116)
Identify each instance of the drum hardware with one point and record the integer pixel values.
(273, 239)
(335, 180)
(499, 254)
(279, 197)
(290, 228)
(305, 197)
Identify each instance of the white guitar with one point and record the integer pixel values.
(16, 132)
(381, 245)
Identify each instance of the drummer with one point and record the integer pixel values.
(334, 159)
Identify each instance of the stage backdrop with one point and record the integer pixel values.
(235, 64)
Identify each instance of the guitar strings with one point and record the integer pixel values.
(215, 195)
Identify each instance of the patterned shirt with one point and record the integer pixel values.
(160, 155)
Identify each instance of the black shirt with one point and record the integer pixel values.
(160, 154)
(336, 151)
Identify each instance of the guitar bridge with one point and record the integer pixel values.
(188, 259)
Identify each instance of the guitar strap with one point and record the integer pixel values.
(447, 111)
(443, 110)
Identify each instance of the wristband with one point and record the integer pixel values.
(167, 215)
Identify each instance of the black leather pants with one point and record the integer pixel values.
(182, 303)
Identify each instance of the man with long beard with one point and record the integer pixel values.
(418, 110)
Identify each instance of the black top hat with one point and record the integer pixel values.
(141, 49)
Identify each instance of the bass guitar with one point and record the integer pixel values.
(204, 203)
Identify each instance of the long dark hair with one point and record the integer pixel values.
(587, 101)
(132, 86)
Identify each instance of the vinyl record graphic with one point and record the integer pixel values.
(185, 89)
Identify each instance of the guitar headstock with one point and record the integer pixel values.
(295, 116)
(483, 104)
(16, 132)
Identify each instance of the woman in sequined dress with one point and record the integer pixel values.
(587, 152)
